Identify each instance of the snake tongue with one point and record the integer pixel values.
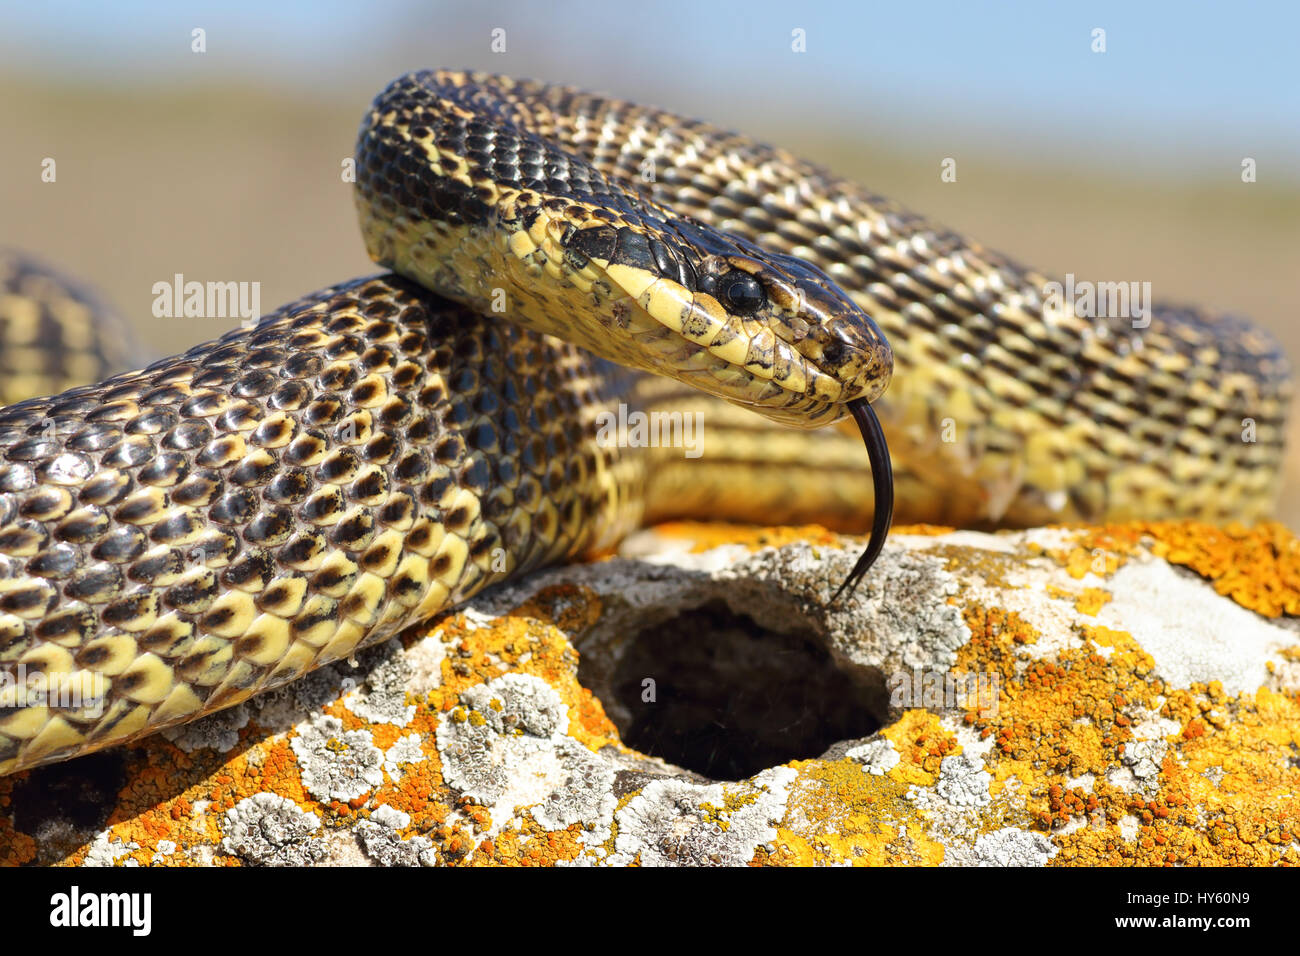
(882, 474)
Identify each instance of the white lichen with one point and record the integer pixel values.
(337, 765)
(877, 756)
(269, 830)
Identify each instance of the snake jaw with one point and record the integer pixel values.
(882, 475)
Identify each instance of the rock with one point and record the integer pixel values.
(1119, 695)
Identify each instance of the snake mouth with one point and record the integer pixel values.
(882, 475)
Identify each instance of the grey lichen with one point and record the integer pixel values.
(270, 830)
(877, 756)
(672, 822)
(963, 781)
(1143, 758)
(381, 841)
(106, 851)
(404, 752)
(382, 696)
(508, 748)
(337, 765)
(219, 731)
(1009, 846)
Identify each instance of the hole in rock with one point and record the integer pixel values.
(729, 697)
(82, 790)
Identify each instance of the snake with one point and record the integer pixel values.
(177, 538)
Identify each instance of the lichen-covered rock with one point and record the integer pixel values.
(1118, 695)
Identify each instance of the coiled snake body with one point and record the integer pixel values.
(175, 539)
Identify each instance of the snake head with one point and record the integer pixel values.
(769, 331)
(801, 345)
(804, 308)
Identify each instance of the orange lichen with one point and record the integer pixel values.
(922, 742)
(1091, 601)
(1257, 567)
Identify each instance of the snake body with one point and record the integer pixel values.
(175, 539)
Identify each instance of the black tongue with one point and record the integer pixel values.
(882, 475)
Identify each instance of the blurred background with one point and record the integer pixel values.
(225, 164)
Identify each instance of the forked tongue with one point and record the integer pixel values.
(882, 475)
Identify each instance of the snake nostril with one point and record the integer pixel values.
(835, 352)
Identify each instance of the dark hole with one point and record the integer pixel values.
(81, 791)
(731, 698)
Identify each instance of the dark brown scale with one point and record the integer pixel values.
(122, 543)
(95, 439)
(199, 489)
(258, 383)
(371, 488)
(188, 436)
(353, 533)
(340, 466)
(157, 422)
(306, 621)
(167, 395)
(270, 528)
(364, 393)
(149, 569)
(272, 433)
(46, 504)
(437, 487)
(16, 477)
(323, 411)
(205, 405)
(376, 557)
(420, 430)
(134, 450)
(129, 609)
(27, 600)
(251, 472)
(219, 453)
(83, 526)
(333, 580)
(56, 563)
(305, 448)
(276, 599)
(476, 475)
(399, 509)
(289, 486)
(176, 528)
(240, 417)
(289, 396)
(234, 507)
(249, 568)
(353, 430)
(302, 550)
(321, 506)
(94, 585)
(106, 488)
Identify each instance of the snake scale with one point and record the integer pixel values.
(218, 523)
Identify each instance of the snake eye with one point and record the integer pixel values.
(741, 293)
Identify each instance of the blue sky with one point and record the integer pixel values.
(1177, 78)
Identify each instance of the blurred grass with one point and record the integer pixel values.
(240, 183)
